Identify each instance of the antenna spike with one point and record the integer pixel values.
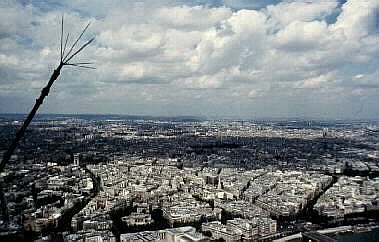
(65, 44)
(76, 41)
(79, 50)
(87, 67)
(83, 63)
(62, 38)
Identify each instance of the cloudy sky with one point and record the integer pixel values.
(211, 58)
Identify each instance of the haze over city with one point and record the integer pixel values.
(216, 58)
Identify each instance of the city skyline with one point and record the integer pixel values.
(199, 58)
(105, 178)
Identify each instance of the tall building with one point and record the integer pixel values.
(76, 159)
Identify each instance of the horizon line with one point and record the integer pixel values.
(206, 118)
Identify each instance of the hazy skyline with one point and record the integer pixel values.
(225, 58)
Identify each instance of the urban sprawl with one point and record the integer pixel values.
(114, 178)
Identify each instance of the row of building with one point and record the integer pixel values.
(349, 195)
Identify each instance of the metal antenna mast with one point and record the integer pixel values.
(65, 59)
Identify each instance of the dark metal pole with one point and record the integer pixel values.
(45, 91)
(64, 60)
(7, 155)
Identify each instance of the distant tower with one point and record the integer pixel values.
(325, 132)
(219, 184)
(325, 137)
(76, 159)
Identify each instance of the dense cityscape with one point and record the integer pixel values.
(130, 178)
(198, 161)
